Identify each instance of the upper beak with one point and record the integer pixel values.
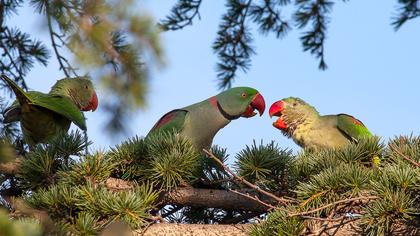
(276, 108)
(258, 103)
(93, 104)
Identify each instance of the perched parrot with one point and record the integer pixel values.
(44, 116)
(308, 129)
(201, 121)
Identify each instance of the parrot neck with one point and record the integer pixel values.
(225, 114)
(65, 89)
(295, 122)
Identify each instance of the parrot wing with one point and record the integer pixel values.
(13, 112)
(63, 106)
(352, 127)
(56, 103)
(171, 121)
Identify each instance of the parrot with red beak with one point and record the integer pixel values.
(302, 122)
(201, 121)
(45, 116)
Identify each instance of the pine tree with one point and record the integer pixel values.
(368, 188)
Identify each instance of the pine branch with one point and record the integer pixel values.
(233, 42)
(269, 18)
(333, 204)
(313, 40)
(182, 15)
(195, 197)
(242, 180)
(407, 10)
(20, 52)
(254, 198)
(53, 43)
(399, 152)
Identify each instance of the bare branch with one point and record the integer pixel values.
(332, 204)
(399, 152)
(196, 197)
(244, 181)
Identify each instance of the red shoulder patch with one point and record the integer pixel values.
(213, 101)
(356, 121)
(165, 119)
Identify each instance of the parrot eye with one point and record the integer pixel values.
(86, 86)
(243, 95)
(295, 104)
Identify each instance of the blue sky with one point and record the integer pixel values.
(373, 73)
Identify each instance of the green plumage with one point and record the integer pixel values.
(201, 121)
(309, 129)
(44, 116)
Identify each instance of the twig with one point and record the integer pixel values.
(332, 204)
(242, 180)
(399, 152)
(312, 198)
(323, 219)
(254, 198)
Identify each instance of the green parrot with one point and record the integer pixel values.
(309, 129)
(45, 116)
(201, 121)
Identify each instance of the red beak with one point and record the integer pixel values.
(276, 109)
(258, 104)
(93, 104)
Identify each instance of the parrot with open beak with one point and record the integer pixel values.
(201, 121)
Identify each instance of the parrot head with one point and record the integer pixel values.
(291, 112)
(240, 102)
(80, 90)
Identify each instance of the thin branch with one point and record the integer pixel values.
(332, 204)
(196, 197)
(54, 44)
(399, 152)
(244, 181)
(323, 219)
(254, 198)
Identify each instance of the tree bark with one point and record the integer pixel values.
(194, 230)
(11, 167)
(197, 197)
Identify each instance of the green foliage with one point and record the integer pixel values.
(172, 159)
(131, 207)
(330, 176)
(130, 158)
(333, 184)
(322, 185)
(278, 222)
(39, 167)
(22, 227)
(266, 165)
(91, 205)
(311, 162)
(91, 168)
(59, 200)
(210, 173)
